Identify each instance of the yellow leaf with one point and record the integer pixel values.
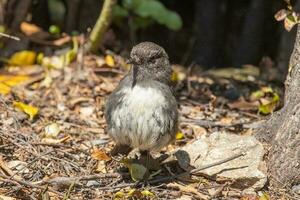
(28, 109)
(47, 81)
(147, 193)
(264, 196)
(99, 154)
(7, 81)
(131, 192)
(119, 195)
(270, 106)
(177, 76)
(23, 58)
(109, 60)
(179, 136)
(4, 89)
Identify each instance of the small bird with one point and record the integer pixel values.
(141, 112)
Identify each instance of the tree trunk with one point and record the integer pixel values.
(251, 40)
(282, 130)
(209, 17)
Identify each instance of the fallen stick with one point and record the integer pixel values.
(173, 177)
(27, 184)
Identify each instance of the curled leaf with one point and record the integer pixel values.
(109, 60)
(23, 58)
(281, 14)
(56, 141)
(28, 109)
(99, 154)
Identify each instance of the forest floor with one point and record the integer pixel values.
(53, 143)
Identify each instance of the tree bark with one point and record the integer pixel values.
(282, 130)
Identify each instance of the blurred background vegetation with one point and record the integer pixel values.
(208, 33)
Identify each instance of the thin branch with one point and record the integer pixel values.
(70, 180)
(26, 183)
(10, 36)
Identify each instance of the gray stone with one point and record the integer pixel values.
(247, 171)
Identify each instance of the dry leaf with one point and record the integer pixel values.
(56, 141)
(249, 197)
(242, 104)
(2, 197)
(28, 109)
(99, 154)
(29, 29)
(101, 167)
(281, 14)
(137, 171)
(109, 60)
(290, 21)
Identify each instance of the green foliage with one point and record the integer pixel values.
(145, 12)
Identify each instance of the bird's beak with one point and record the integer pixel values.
(134, 73)
(130, 61)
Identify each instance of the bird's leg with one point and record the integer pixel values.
(134, 154)
(120, 149)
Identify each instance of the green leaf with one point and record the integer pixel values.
(174, 21)
(156, 10)
(131, 4)
(119, 12)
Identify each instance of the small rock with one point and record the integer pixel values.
(18, 166)
(86, 111)
(296, 189)
(92, 183)
(248, 171)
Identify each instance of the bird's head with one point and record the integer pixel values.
(150, 62)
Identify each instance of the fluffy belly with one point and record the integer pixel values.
(143, 120)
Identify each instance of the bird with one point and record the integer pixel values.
(141, 112)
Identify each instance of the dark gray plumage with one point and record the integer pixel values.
(142, 111)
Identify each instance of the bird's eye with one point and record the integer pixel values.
(152, 60)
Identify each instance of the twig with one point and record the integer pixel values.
(173, 177)
(10, 36)
(33, 161)
(209, 124)
(70, 180)
(26, 183)
(194, 171)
